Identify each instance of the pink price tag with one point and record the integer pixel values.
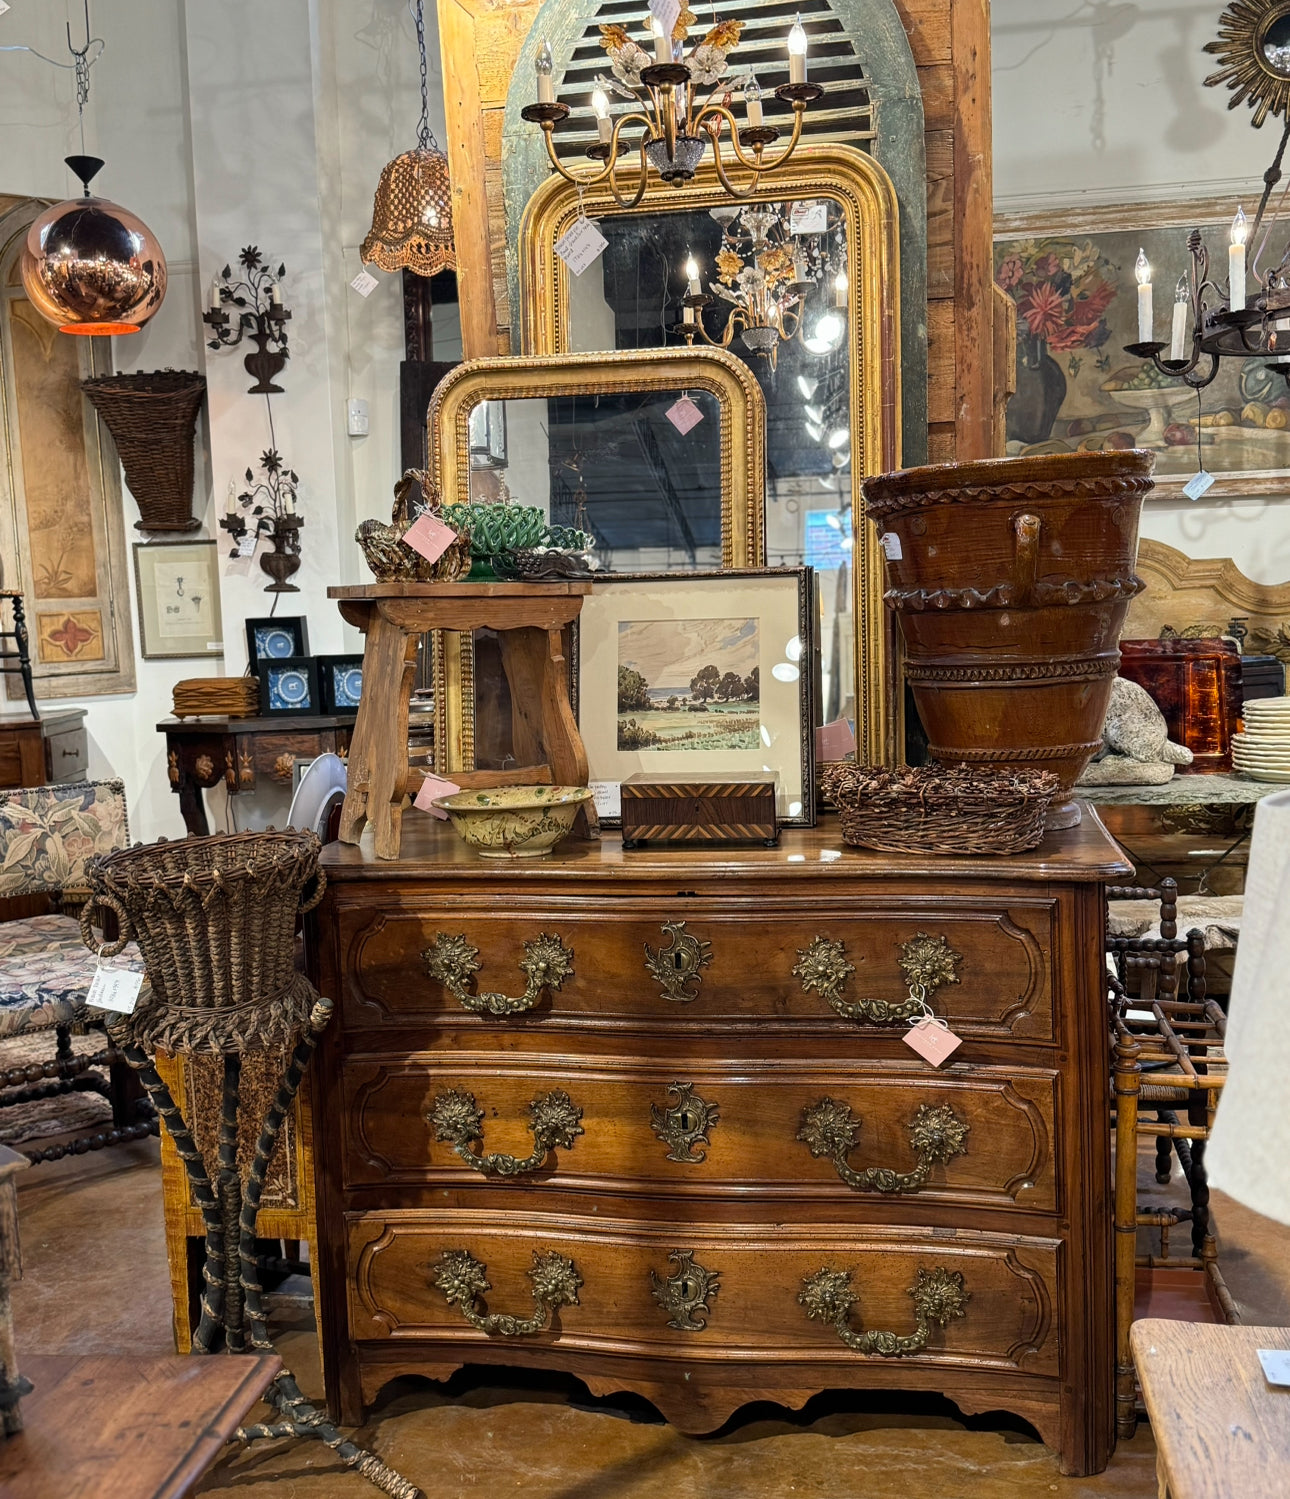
(431, 538)
(684, 415)
(432, 787)
(835, 741)
(933, 1041)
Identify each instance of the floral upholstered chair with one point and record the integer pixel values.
(47, 834)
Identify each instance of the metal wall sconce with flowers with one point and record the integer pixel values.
(251, 306)
(271, 504)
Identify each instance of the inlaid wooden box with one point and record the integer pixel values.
(661, 809)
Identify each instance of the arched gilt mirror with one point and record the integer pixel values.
(827, 358)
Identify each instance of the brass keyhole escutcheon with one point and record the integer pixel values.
(674, 967)
(688, 1293)
(685, 1124)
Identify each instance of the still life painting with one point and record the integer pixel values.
(1078, 391)
(687, 684)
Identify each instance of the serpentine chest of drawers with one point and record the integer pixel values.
(649, 1118)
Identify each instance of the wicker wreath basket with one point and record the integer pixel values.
(215, 919)
(931, 810)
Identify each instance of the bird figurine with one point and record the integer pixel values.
(391, 559)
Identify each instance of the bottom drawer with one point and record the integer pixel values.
(751, 1291)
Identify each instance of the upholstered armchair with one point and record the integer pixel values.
(47, 834)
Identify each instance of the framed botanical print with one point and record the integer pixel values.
(340, 683)
(1072, 276)
(274, 637)
(179, 610)
(699, 674)
(289, 686)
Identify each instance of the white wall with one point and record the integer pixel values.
(1105, 103)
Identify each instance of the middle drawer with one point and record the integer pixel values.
(982, 1135)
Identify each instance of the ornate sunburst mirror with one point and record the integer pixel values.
(1253, 47)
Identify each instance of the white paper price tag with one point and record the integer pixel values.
(891, 546)
(608, 798)
(365, 283)
(580, 245)
(1276, 1365)
(115, 989)
(3, 7)
(808, 216)
(246, 544)
(1196, 486)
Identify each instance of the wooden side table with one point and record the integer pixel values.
(1221, 1430)
(201, 752)
(530, 619)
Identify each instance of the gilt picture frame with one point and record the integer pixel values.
(179, 602)
(699, 675)
(1071, 273)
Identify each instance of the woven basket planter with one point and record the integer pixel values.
(215, 919)
(935, 811)
(152, 419)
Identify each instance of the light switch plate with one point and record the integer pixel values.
(358, 425)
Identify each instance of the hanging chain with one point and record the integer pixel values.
(425, 137)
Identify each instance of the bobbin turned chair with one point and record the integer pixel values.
(47, 833)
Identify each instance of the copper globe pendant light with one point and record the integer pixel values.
(90, 266)
(412, 214)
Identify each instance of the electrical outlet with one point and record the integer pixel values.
(358, 425)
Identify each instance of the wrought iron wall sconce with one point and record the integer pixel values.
(272, 507)
(251, 306)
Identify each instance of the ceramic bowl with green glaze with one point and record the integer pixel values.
(514, 822)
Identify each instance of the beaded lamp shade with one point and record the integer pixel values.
(412, 215)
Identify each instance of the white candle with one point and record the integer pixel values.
(687, 314)
(215, 301)
(1142, 270)
(543, 65)
(289, 505)
(662, 42)
(1178, 333)
(1236, 262)
(231, 506)
(841, 286)
(692, 275)
(799, 266)
(275, 294)
(604, 125)
(797, 53)
(752, 103)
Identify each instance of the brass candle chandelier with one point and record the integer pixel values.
(683, 105)
(1249, 314)
(766, 274)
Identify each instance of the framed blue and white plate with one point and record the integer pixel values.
(289, 685)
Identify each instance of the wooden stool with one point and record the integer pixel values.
(530, 620)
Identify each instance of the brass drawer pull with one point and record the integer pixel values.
(936, 1134)
(463, 1281)
(938, 1296)
(683, 959)
(554, 1120)
(684, 1124)
(686, 1294)
(927, 962)
(453, 962)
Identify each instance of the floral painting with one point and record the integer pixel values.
(688, 684)
(1078, 391)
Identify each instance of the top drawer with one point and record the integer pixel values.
(690, 964)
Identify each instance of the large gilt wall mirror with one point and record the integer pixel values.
(608, 444)
(829, 368)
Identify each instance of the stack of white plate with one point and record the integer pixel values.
(1262, 752)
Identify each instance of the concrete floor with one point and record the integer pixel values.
(96, 1282)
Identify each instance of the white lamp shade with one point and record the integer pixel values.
(1249, 1152)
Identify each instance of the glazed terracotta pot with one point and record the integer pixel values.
(1011, 579)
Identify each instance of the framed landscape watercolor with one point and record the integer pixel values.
(1072, 277)
(699, 674)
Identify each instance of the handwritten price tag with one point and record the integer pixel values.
(581, 245)
(432, 787)
(115, 989)
(365, 283)
(429, 536)
(1197, 485)
(891, 546)
(808, 216)
(684, 415)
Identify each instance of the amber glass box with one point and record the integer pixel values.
(1197, 685)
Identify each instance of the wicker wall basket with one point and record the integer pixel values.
(935, 811)
(152, 419)
(215, 919)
